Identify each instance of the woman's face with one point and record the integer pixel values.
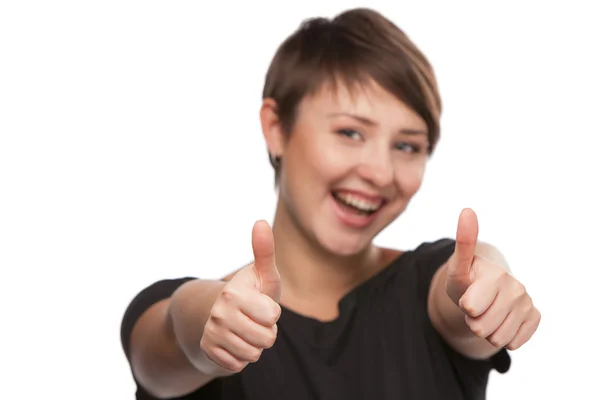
(350, 166)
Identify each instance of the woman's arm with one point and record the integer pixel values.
(165, 353)
(449, 319)
(474, 301)
(207, 329)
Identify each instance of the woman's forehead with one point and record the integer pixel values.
(366, 99)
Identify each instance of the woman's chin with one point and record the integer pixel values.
(345, 246)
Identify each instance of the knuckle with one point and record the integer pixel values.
(505, 280)
(466, 304)
(477, 329)
(270, 340)
(513, 346)
(519, 289)
(505, 276)
(205, 345)
(275, 313)
(218, 312)
(272, 310)
(528, 307)
(277, 309)
(233, 365)
(536, 320)
(210, 329)
(254, 355)
(229, 294)
(271, 319)
(495, 341)
(213, 356)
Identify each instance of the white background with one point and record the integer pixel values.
(130, 151)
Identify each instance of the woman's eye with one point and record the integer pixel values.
(408, 148)
(351, 133)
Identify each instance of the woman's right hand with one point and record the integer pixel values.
(242, 321)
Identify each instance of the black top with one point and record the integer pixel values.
(382, 345)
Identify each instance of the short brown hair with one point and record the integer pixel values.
(356, 46)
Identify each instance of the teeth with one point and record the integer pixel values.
(358, 203)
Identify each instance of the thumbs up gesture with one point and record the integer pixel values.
(242, 322)
(496, 305)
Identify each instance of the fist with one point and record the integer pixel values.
(242, 322)
(496, 305)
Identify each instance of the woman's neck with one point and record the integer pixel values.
(309, 273)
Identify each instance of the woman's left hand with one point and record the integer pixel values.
(496, 305)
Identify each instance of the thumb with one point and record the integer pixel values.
(263, 247)
(466, 240)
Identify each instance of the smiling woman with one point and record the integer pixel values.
(350, 116)
(355, 147)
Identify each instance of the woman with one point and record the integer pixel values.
(350, 115)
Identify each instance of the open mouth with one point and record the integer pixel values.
(357, 204)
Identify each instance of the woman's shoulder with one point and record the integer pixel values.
(418, 264)
(424, 251)
(433, 254)
(433, 246)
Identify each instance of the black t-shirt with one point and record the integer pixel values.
(382, 345)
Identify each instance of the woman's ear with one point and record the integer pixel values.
(271, 127)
